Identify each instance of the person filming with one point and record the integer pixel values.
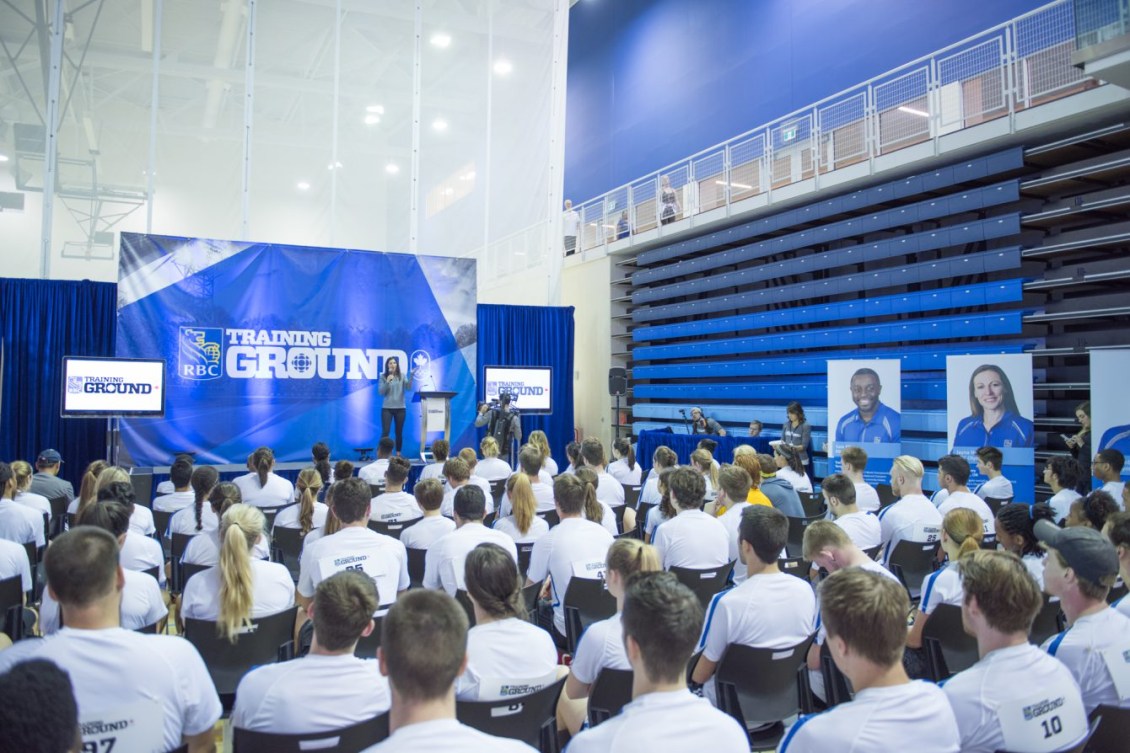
(503, 423)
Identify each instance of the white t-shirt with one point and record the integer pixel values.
(205, 548)
(620, 471)
(549, 465)
(432, 470)
(655, 518)
(601, 647)
(609, 490)
(1122, 606)
(538, 528)
(381, 557)
(543, 493)
(20, 523)
(41, 504)
(175, 501)
(445, 736)
(939, 497)
(650, 492)
(288, 516)
(394, 507)
(316, 693)
(142, 604)
(509, 652)
(1113, 488)
(276, 493)
(1035, 564)
(374, 473)
(13, 562)
(428, 531)
(866, 498)
(166, 487)
(1094, 648)
(142, 553)
(674, 721)
(692, 539)
(493, 469)
(1061, 502)
(862, 528)
(973, 502)
(942, 587)
(912, 518)
(184, 521)
(483, 484)
(913, 716)
(573, 546)
(272, 591)
(141, 520)
(608, 518)
(995, 488)
(799, 481)
(158, 682)
(731, 520)
(447, 507)
(995, 692)
(443, 565)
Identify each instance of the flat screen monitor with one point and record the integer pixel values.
(113, 387)
(529, 387)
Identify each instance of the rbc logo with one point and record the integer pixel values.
(74, 384)
(201, 353)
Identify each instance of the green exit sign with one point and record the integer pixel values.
(788, 134)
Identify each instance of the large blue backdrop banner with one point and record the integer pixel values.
(283, 345)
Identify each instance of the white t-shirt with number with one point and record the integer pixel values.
(574, 545)
(155, 685)
(506, 658)
(862, 528)
(142, 604)
(1097, 651)
(381, 557)
(912, 518)
(443, 565)
(671, 721)
(272, 591)
(692, 539)
(601, 647)
(394, 507)
(1016, 698)
(972, 502)
(428, 531)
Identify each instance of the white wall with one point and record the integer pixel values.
(585, 287)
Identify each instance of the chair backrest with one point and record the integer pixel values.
(465, 602)
(873, 552)
(189, 570)
(760, 685)
(530, 599)
(911, 562)
(798, 566)
(161, 523)
(150, 629)
(586, 601)
(416, 566)
(524, 553)
(837, 688)
(643, 508)
(886, 495)
(1116, 593)
(631, 498)
(611, 691)
(153, 571)
(1113, 732)
(286, 548)
(797, 526)
(619, 513)
(266, 642)
(58, 514)
(367, 646)
(949, 649)
(497, 489)
(813, 504)
(347, 740)
(530, 718)
(375, 490)
(705, 583)
(1048, 622)
(996, 503)
(551, 517)
(489, 518)
(11, 607)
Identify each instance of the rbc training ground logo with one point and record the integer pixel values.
(201, 353)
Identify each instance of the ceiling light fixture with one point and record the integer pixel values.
(392, 168)
(503, 67)
(376, 109)
(303, 186)
(372, 120)
(439, 124)
(441, 40)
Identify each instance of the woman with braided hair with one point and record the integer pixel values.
(205, 549)
(198, 517)
(1015, 529)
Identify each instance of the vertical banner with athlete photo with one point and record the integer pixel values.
(989, 404)
(865, 411)
(1110, 412)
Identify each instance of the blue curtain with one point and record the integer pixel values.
(40, 322)
(533, 336)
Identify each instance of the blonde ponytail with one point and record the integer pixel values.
(630, 556)
(522, 501)
(593, 510)
(965, 528)
(309, 483)
(240, 529)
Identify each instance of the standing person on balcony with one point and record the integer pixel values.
(570, 224)
(670, 201)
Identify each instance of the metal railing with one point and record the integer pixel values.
(1099, 21)
(1017, 65)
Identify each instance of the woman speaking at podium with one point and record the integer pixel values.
(392, 387)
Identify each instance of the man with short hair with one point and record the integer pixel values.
(374, 473)
(434, 525)
(456, 474)
(989, 463)
(702, 424)
(423, 650)
(503, 423)
(443, 566)
(608, 489)
(1107, 468)
(468, 456)
(870, 421)
(18, 523)
(733, 489)
(662, 621)
(152, 690)
(912, 517)
(780, 492)
(953, 475)
(769, 609)
(755, 427)
(853, 461)
(329, 688)
(692, 539)
(862, 527)
(395, 505)
(440, 448)
(1079, 570)
(46, 479)
(1016, 697)
(38, 712)
(865, 618)
(529, 463)
(182, 495)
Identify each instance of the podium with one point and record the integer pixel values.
(435, 415)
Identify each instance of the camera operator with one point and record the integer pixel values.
(502, 422)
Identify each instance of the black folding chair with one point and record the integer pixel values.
(873, 552)
(12, 607)
(1049, 621)
(524, 553)
(59, 507)
(351, 739)
(813, 504)
(187, 570)
(586, 601)
(911, 562)
(286, 548)
(367, 646)
(610, 692)
(161, 523)
(530, 600)
(837, 687)
(798, 566)
(416, 559)
(949, 649)
(996, 503)
(797, 526)
(177, 546)
(375, 490)
(551, 517)
(497, 489)
(1116, 593)
(762, 686)
(1112, 732)
(642, 511)
(619, 513)
(530, 718)
(886, 495)
(392, 529)
(631, 496)
(705, 583)
(465, 602)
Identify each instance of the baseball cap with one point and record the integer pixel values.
(1090, 555)
(50, 457)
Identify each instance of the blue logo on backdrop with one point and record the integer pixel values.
(201, 353)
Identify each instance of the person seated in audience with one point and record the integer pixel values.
(88, 490)
(141, 520)
(456, 474)
(240, 587)
(18, 523)
(22, 470)
(791, 468)
(467, 455)
(962, 534)
(505, 653)
(711, 446)
(853, 460)
(702, 424)
(748, 462)
(14, 564)
(374, 473)
(663, 510)
(692, 539)
(434, 525)
(573, 546)
(602, 645)
(154, 688)
(205, 550)
(953, 475)
(989, 699)
(263, 487)
(308, 513)
(320, 454)
(46, 480)
(1080, 569)
(440, 448)
(395, 505)
(1063, 475)
(423, 650)
(1117, 530)
(540, 442)
(779, 491)
(624, 467)
(492, 468)
(343, 469)
(1092, 510)
(573, 453)
(329, 688)
(596, 509)
(444, 564)
(138, 551)
(703, 463)
(755, 428)
(1107, 467)
(989, 463)
(912, 517)
(522, 523)
(142, 601)
(663, 458)
(530, 464)
(181, 497)
(768, 609)
(166, 486)
(38, 712)
(199, 516)
(733, 489)
(1015, 532)
(662, 621)
(862, 527)
(608, 490)
(864, 615)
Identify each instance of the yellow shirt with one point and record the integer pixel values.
(757, 497)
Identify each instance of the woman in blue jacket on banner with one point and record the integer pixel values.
(995, 419)
(393, 386)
